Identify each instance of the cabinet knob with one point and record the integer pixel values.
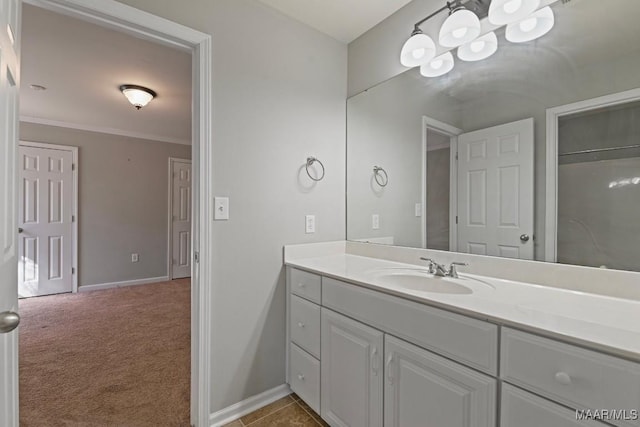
(563, 378)
(301, 377)
(300, 325)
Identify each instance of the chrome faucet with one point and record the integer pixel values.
(440, 270)
(435, 268)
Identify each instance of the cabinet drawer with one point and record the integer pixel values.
(304, 377)
(576, 377)
(306, 285)
(470, 341)
(522, 409)
(305, 325)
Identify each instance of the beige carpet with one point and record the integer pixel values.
(118, 357)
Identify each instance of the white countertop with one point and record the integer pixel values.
(600, 322)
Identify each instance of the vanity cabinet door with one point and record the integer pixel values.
(351, 372)
(423, 389)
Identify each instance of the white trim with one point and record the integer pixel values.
(138, 23)
(104, 129)
(172, 160)
(452, 132)
(75, 160)
(551, 191)
(237, 410)
(125, 283)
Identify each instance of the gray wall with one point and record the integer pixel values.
(279, 92)
(438, 194)
(384, 128)
(122, 201)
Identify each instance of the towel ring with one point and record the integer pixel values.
(310, 162)
(377, 174)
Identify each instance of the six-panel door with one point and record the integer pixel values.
(351, 372)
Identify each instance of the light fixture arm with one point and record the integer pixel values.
(448, 6)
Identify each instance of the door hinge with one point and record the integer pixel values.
(73, 166)
(73, 218)
(456, 155)
(73, 270)
(456, 219)
(196, 257)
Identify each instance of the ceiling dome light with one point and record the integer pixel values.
(418, 50)
(531, 28)
(138, 96)
(438, 66)
(479, 49)
(460, 27)
(502, 12)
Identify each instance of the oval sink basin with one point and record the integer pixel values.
(422, 280)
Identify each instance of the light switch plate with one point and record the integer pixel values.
(418, 209)
(310, 224)
(375, 221)
(221, 208)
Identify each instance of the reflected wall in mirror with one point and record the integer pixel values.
(532, 153)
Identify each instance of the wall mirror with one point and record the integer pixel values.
(531, 153)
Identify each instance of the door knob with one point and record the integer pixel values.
(20, 230)
(524, 238)
(8, 321)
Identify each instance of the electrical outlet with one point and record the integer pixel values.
(375, 221)
(310, 224)
(134, 258)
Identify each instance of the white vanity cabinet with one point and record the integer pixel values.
(351, 372)
(522, 409)
(363, 358)
(424, 389)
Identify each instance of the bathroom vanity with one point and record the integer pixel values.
(375, 342)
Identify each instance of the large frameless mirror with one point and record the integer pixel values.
(532, 152)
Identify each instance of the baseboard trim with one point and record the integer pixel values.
(237, 410)
(101, 286)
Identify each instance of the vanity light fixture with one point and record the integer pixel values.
(502, 12)
(462, 29)
(462, 26)
(138, 96)
(479, 49)
(438, 66)
(531, 28)
(418, 50)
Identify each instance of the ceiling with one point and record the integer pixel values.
(344, 20)
(82, 66)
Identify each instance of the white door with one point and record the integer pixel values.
(181, 219)
(351, 372)
(45, 218)
(423, 389)
(9, 84)
(495, 191)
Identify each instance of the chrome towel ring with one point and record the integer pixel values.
(378, 173)
(310, 162)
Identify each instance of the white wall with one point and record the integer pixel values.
(279, 92)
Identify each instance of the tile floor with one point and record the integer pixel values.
(288, 411)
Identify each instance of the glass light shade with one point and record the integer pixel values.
(502, 12)
(138, 96)
(418, 50)
(438, 66)
(479, 49)
(531, 28)
(461, 27)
